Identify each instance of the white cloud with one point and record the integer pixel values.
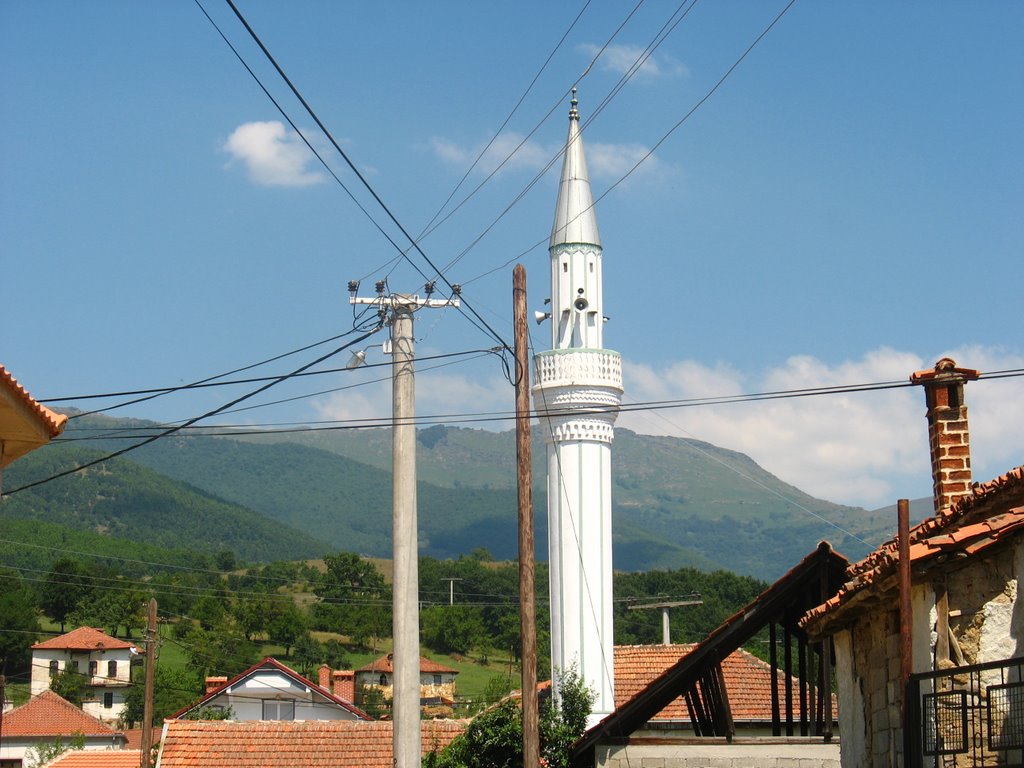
(530, 156)
(620, 59)
(273, 155)
(863, 448)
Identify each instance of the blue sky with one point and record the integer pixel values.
(847, 207)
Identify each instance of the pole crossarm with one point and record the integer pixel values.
(675, 604)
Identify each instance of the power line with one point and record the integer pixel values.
(214, 412)
(366, 184)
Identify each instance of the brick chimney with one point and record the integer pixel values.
(344, 684)
(213, 683)
(948, 434)
(324, 679)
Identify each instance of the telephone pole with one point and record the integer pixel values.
(397, 309)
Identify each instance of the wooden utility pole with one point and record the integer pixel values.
(147, 708)
(665, 634)
(524, 484)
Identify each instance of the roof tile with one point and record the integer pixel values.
(49, 715)
(108, 758)
(85, 639)
(291, 744)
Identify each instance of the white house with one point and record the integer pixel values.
(105, 661)
(47, 717)
(271, 691)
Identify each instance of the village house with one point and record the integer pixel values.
(291, 744)
(437, 682)
(964, 703)
(269, 690)
(105, 662)
(44, 719)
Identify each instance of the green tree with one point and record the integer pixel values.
(208, 611)
(494, 739)
(20, 621)
(286, 623)
(309, 654)
(452, 628)
(173, 689)
(251, 616)
(69, 684)
(111, 609)
(66, 587)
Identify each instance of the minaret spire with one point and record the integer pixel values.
(575, 220)
(577, 397)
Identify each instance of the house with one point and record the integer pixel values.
(796, 728)
(24, 424)
(437, 682)
(963, 702)
(105, 661)
(44, 719)
(269, 690)
(291, 744)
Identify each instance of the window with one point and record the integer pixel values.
(54, 668)
(78, 667)
(108, 700)
(437, 679)
(93, 668)
(111, 668)
(278, 710)
(383, 679)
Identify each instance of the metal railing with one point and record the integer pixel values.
(970, 716)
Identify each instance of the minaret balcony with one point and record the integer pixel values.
(578, 393)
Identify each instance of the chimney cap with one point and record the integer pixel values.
(945, 371)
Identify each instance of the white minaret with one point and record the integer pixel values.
(577, 396)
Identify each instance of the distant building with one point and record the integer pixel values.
(437, 682)
(104, 661)
(47, 717)
(271, 691)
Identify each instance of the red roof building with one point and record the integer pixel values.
(85, 639)
(269, 690)
(46, 717)
(437, 682)
(291, 744)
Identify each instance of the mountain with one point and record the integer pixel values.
(124, 500)
(676, 502)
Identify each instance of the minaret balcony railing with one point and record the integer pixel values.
(584, 368)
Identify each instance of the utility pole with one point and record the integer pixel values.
(524, 484)
(665, 635)
(405, 706)
(451, 590)
(147, 707)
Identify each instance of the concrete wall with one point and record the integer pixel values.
(760, 753)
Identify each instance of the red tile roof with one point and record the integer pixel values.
(24, 423)
(748, 680)
(992, 513)
(107, 758)
(291, 744)
(383, 664)
(49, 715)
(85, 639)
(271, 663)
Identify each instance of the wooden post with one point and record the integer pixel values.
(906, 635)
(147, 708)
(524, 479)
